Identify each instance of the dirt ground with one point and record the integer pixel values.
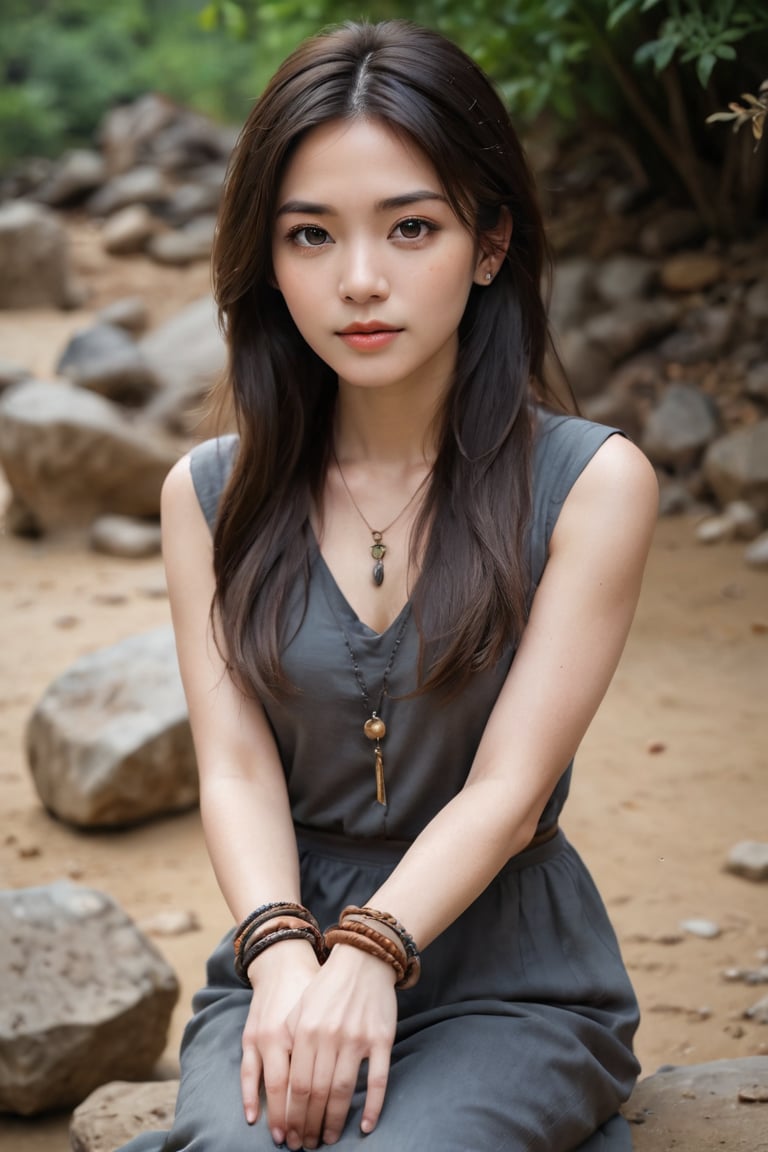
(670, 776)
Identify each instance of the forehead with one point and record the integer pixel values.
(356, 160)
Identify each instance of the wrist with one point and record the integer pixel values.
(285, 956)
(351, 961)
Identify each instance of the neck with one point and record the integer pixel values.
(386, 427)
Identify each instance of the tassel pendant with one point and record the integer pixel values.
(375, 729)
(378, 552)
(381, 791)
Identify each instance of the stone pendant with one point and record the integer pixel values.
(378, 552)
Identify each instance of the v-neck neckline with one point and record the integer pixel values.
(342, 603)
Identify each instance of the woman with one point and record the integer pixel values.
(402, 512)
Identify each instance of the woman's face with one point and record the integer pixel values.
(374, 265)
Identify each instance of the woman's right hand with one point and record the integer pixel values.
(279, 978)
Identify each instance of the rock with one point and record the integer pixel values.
(680, 427)
(155, 130)
(192, 242)
(757, 380)
(74, 177)
(586, 365)
(195, 199)
(756, 300)
(747, 975)
(126, 131)
(34, 258)
(188, 355)
(573, 292)
(129, 230)
(671, 230)
(70, 456)
(86, 998)
(705, 929)
(109, 742)
(142, 185)
(631, 326)
(736, 466)
(698, 1109)
(116, 1113)
(691, 272)
(704, 334)
(622, 278)
(11, 373)
(748, 858)
(125, 536)
(107, 360)
(757, 553)
(173, 922)
(738, 521)
(758, 1012)
(130, 313)
(674, 497)
(615, 408)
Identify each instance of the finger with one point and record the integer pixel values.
(378, 1074)
(340, 1095)
(250, 1079)
(299, 1087)
(276, 1066)
(322, 1080)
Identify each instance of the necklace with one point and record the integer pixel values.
(374, 727)
(378, 548)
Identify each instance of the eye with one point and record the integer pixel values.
(309, 236)
(414, 228)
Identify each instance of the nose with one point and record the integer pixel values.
(362, 275)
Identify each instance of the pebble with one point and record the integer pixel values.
(706, 929)
(173, 922)
(758, 1012)
(748, 858)
(754, 1095)
(757, 553)
(691, 272)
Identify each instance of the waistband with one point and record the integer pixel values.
(388, 853)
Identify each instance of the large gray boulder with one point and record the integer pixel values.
(70, 456)
(109, 742)
(107, 360)
(188, 355)
(34, 258)
(681, 426)
(717, 1107)
(86, 997)
(736, 466)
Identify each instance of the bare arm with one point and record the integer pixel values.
(243, 796)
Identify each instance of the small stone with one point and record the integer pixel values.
(28, 851)
(129, 230)
(125, 536)
(655, 747)
(748, 858)
(691, 272)
(754, 1095)
(758, 1012)
(130, 313)
(173, 922)
(66, 622)
(744, 518)
(714, 530)
(705, 929)
(757, 553)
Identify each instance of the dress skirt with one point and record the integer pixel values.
(518, 1037)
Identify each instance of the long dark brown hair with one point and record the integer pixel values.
(470, 598)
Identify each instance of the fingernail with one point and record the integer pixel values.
(250, 1115)
(330, 1137)
(366, 1127)
(278, 1136)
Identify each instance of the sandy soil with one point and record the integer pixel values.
(670, 776)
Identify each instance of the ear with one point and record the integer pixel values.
(494, 245)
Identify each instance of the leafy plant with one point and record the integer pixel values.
(754, 113)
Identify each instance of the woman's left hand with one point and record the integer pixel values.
(346, 1015)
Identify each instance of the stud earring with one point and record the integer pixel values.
(489, 276)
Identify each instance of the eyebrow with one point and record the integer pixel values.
(310, 208)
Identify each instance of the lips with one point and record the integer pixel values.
(368, 337)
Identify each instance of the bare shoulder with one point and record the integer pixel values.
(616, 498)
(180, 510)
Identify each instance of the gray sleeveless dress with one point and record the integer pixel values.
(518, 1037)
